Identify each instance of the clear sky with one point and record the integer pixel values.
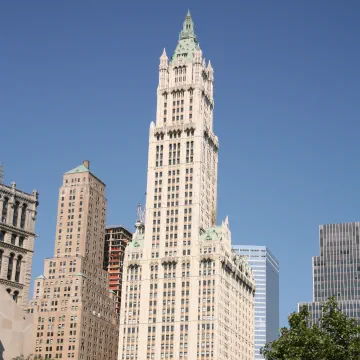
(78, 81)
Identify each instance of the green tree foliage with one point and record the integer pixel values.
(336, 337)
(29, 357)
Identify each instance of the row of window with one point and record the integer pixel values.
(12, 259)
(17, 210)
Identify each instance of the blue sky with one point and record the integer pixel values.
(78, 81)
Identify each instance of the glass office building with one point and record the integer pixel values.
(336, 271)
(266, 273)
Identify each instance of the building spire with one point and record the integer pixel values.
(187, 41)
(188, 28)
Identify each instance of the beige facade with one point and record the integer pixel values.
(17, 235)
(185, 295)
(16, 328)
(74, 312)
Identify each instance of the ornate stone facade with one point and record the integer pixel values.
(74, 312)
(17, 234)
(185, 294)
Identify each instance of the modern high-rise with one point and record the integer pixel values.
(265, 268)
(116, 239)
(74, 311)
(336, 271)
(185, 294)
(17, 235)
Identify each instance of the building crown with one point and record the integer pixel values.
(188, 28)
(187, 41)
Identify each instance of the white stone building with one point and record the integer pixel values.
(185, 294)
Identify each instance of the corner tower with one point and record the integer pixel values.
(182, 285)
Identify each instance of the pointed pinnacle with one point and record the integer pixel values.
(188, 13)
(164, 53)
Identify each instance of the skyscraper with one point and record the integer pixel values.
(336, 271)
(17, 235)
(74, 312)
(116, 240)
(185, 295)
(265, 268)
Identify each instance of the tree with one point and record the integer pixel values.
(29, 357)
(336, 337)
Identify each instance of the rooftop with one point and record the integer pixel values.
(187, 40)
(83, 168)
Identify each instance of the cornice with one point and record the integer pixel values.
(15, 248)
(174, 128)
(16, 229)
(28, 198)
(12, 284)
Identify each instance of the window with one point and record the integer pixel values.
(21, 241)
(13, 239)
(23, 216)
(16, 213)
(18, 268)
(5, 209)
(10, 266)
(2, 235)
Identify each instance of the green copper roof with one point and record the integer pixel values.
(41, 277)
(80, 169)
(187, 40)
(83, 168)
(139, 236)
(80, 274)
(137, 241)
(213, 233)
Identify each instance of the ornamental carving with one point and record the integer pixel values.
(11, 284)
(17, 230)
(14, 247)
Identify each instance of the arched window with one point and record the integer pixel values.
(18, 268)
(4, 210)
(23, 216)
(10, 266)
(16, 213)
(15, 296)
(8, 290)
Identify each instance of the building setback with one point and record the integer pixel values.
(74, 312)
(185, 294)
(336, 271)
(116, 239)
(17, 235)
(265, 268)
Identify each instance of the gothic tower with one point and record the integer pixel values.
(182, 285)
